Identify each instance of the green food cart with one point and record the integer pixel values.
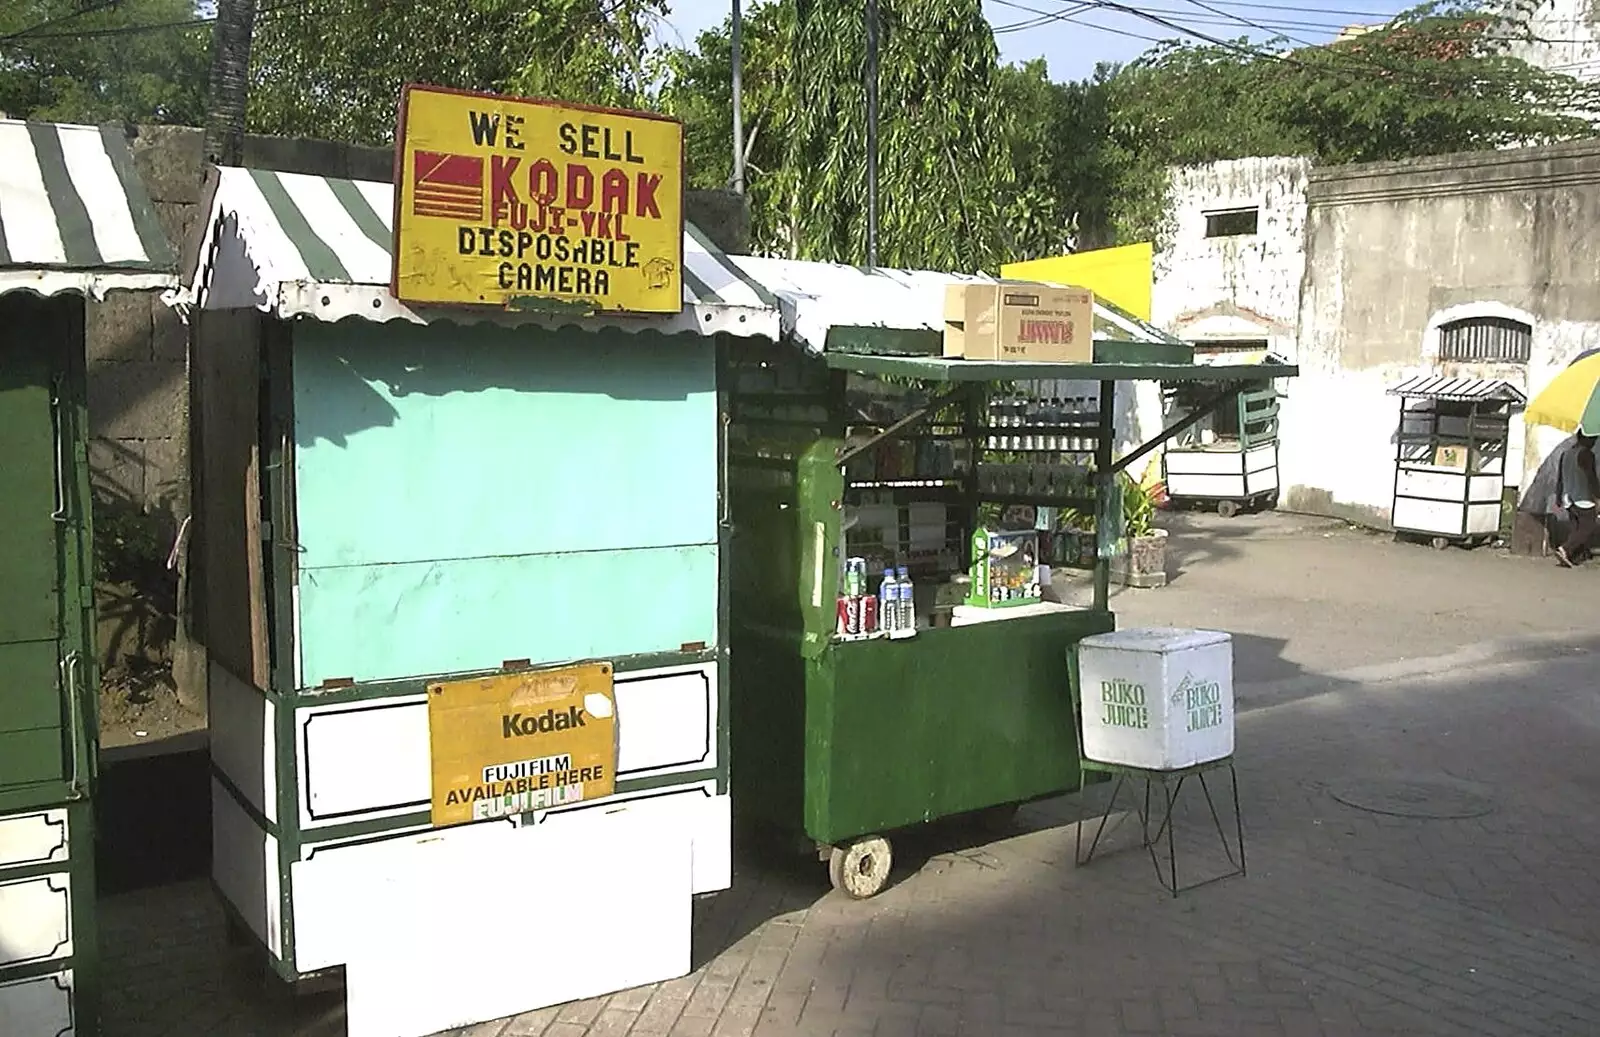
(852, 423)
(75, 223)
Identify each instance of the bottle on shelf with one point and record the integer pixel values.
(905, 614)
(888, 603)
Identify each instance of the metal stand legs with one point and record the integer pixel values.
(1172, 783)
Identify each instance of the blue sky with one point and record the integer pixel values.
(1095, 33)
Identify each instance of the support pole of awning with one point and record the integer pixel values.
(738, 98)
(872, 133)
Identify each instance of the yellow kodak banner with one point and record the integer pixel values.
(537, 205)
(518, 742)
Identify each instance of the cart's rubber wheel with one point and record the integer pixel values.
(1227, 508)
(1440, 543)
(860, 868)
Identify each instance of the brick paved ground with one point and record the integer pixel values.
(1360, 660)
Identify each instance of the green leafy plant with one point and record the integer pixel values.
(1075, 520)
(1138, 509)
(129, 545)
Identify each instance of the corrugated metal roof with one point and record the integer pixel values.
(1436, 387)
(299, 245)
(74, 215)
(816, 297)
(939, 369)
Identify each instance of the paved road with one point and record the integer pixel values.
(1394, 678)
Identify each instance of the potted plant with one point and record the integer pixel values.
(1144, 562)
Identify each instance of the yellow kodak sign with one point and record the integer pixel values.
(518, 742)
(537, 205)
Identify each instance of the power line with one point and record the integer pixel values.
(1336, 63)
(1294, 9)
(98, 5)
(143, 27)
(1245, 21)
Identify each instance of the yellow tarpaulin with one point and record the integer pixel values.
(1120, 275)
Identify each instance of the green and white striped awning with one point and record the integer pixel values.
(296, 245)
(74, 215)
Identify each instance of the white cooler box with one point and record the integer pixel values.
(1157, 698)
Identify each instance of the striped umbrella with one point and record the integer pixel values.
(1571, 402)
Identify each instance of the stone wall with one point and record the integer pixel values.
(137, 347)
(138, 383)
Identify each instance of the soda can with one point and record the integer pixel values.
(842, 615)
(855, 576)
(852, 617)
(869, 614)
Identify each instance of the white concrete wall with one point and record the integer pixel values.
(1244, 287)
(1353, 279)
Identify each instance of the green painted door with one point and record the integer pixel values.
(31, 510)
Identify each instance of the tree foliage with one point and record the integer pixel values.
(334, 69)
(943, 133)
(87, 67)
(1435, 80)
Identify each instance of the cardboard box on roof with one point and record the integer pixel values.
(1020, 321)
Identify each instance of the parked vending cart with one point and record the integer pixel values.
(1450, 457)
(872, 476)
(75, 223)
(463, 569)
(1229, 459)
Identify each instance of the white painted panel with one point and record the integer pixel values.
(35, 919)
(1261, 457)
(244, 866)
(38, 1007)
(37, 837)
(429, 962)
(1483, 518)
(1204, 462)
(371, 759)
(1487, 489)
(1206, 485)
(1262, 481)
(364, 759)
(666, 721)
(1427, 482)
(1429, 516)
(705, 816)
(243, 742)
(330, 904)
(327, 884)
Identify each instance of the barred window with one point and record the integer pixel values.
(1486, 340)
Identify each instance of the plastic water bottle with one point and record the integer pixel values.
(889, 603)
(907, 617)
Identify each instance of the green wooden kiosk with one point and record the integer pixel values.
(394, 499)
(854, 422)
(75, 222)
